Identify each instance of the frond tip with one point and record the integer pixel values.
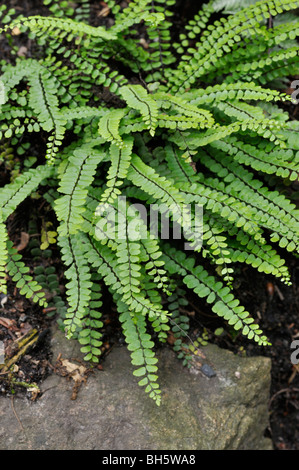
(137, 98)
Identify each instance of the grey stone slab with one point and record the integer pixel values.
(226, 411)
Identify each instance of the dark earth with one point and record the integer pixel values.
(273, 305)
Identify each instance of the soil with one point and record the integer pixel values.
(274, 306)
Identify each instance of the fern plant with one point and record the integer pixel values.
(130, 118)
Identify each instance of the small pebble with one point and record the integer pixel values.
(3, 299)
(207, 370)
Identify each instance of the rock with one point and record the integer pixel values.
(227, 411)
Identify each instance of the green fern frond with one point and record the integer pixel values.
(180, 322)
(102, 258)
(261, 257)
(152, 132)
(19, 273)
(90, 336)
(137, 98)
(60, 27)
(170, 202)
(237, 177)
(201, 116)
(74, 184)
(193, 30)
(136, 12)
(12, 194)
(109, 126)
(220, 38)
(154, 264)
(273, 162)
(128, 260)
(42, 100)
(206, 286)
(248, 91)
(120, 161)
(78, 287)
(140, 346)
